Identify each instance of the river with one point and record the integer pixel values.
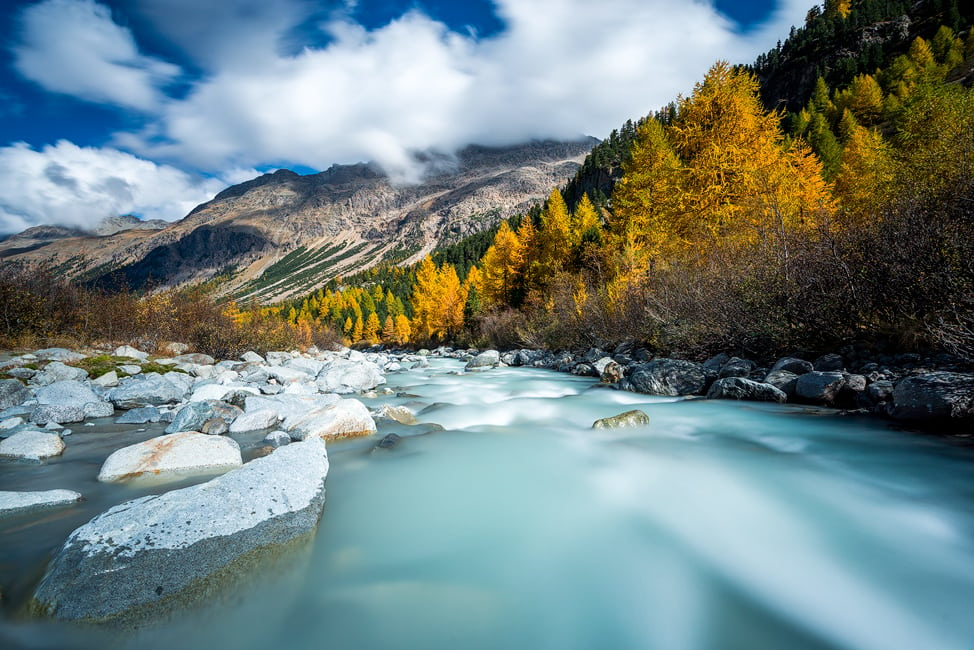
(720, 525)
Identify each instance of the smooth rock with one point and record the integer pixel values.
(59, 354)
(11, 423)
(934, 396)
(150, 389)
(784, 380)
(57, 371)
(484, 360)
(107, 380)
(277, 438)
(347, 418)
(251, 357)
(174, 454)
(12, 503)
(192, 416)
(745, 389)
(716, 362)
(736, 367)
(399, 414)
(345, 377)
(389, 441)
(254, 421)
(66, 393)
(830, 363)
(820, 387)
(672, 377)
(142, 415)
(132, 353)
(215, 427)
(793, 365)
(31, 445)
(130, 369)
(147, 558)
(196, 357)
(634, 418)
(12, 393)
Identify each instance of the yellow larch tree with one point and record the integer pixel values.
(501, 269)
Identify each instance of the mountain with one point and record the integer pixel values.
(284, 233)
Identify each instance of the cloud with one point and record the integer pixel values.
(560, 69)
(73, 47)
(76, 186)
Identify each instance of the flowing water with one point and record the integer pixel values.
(720, 525)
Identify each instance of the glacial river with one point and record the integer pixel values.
(720, 525)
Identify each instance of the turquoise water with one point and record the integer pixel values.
(720, 525)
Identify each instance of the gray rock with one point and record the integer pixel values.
(130, 368)
(192, 416)
(880, 391)
(12, 503)
(278, 358)
(150, 389)
(251, 357)
(737, 367)
(131, 353)
(716, 362)
(107, 380)
(671, 377)
(31, 445)
(934, 396)
(99, 410)
(601, 364)
(484, 360)
(784, 380)
(57, 371)
(634, 418)
(277, 438)
(59, 354)
(345, 377)
(830, 363)
(147, 558)
(347, 418)
(66, 393)
(389, 441)
(793, 365)
(585, 370)
(171, 456)
(820, 387)
(11, 423)
(745, 389)
(215, 427)
(57, 413)
(141, 415)
(21, 373)
(254, 421)
(310, 367)
(12, 393)
(195, 358)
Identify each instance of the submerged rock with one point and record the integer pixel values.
(389, 441)
(176, 454)
(12, 503)
(148, 557)
(399, 414)
(31, 445)
(634, 418)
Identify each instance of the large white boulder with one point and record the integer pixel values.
(147, 558)
(347, 418)
(12, 503)
(31, 445)
(254, 421)
(345, 377)
(172, 456)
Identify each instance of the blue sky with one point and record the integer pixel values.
(152, 106)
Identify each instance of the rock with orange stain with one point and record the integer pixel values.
(172, 457)
(346, 418)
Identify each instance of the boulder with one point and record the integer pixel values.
(31, 445)
(145, 559)
(793, 365)
(784, 380)
(192, 416)
(195, 358)
(399, 414)
(207, 392)
(150, 389)
(66, 393)
(277, 438)
(251, 357)
(57, 413)
(745, 389)
(880, 391)
(59, 354)
(142, 415)
(12, 393)
(12, 503)
(215, 427)
(716, 362)
(671, 377)
(736, 367)
(634, 418)
(612, 373)
(107, 380)
(934, 396)
(254, 421)
(174, 454)
(347, 418)
(830, 363)
(131, 353)
(345, 377)
(278, 358)
(57, 371)
(310, 367)
(484, 360)
(601, 364)
(174, 348)
(820, 387)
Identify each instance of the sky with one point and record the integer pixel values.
(150, 107)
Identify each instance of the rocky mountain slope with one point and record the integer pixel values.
(283, 233)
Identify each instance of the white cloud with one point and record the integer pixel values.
(74, 47)
(560, 69)
(69, 185)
